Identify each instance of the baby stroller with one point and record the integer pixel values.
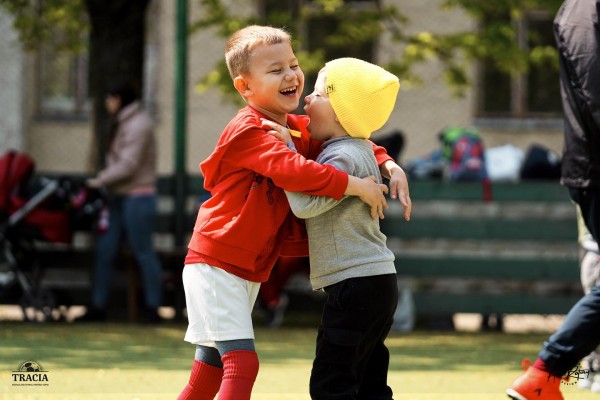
(33, 210)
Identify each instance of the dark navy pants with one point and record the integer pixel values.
(132, 217)
(580, 332)
(351, 360)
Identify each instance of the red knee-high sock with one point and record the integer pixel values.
(205, 381)
(240, 368)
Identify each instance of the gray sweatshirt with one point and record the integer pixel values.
(344, 242)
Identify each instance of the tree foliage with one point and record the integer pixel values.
(323, 29)
(60, 24)
(494, 41)
(112, 31)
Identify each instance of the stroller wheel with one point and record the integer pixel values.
(38, 305)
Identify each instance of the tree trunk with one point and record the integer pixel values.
(117, 41)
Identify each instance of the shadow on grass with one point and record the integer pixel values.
(97, 346)
(455, 351)
(161, 347)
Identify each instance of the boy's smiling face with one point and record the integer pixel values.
(274, 82)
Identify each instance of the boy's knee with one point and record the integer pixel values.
(240, 364)
(240, 368)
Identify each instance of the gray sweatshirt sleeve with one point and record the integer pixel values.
(308, 206)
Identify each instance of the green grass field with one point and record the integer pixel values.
(124, 361)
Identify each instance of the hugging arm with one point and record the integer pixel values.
(398, 185)
(398, 180)
(307, 206)
(367, 189)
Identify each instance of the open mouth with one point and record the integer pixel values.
(290, 91)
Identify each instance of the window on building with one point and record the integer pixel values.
(320, 34)
(62, 85)
(337, 35)
(531, 95)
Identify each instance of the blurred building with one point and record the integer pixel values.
(44, 107)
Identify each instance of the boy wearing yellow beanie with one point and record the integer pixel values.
(349, 258)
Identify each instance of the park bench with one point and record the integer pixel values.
(507, 248)
(500, 248)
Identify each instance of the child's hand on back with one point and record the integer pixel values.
(370, 192)
(374, 197)
(280, 132)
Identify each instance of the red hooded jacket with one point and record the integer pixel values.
(243, 225)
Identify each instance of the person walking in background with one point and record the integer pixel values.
(349, 258)
(130, 180)
(272, 297)
(577, 31)
(589, 271)
(241, 229)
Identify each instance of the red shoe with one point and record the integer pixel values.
(535, 384)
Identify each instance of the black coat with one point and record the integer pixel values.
(578, 38)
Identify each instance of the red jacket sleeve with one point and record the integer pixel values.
(288, 170)
(381, 154)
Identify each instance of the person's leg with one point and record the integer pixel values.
(270, 290)
(107, 247)
(577, 336)
(139, 213)
(240, 368)
(206, 376)
(230, 369)
(272, 298)
(589, 266)
(374, 377)
(219, 308)
(356, 314)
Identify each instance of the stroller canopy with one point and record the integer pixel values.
(41, 223)
(16, 169)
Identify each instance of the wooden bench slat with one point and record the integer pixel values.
(484, 303)
(165, 223)
(491, 267)
(481, 228)
(505, 191)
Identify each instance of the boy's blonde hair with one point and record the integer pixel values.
(241, 44)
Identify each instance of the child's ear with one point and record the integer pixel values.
(241, 85)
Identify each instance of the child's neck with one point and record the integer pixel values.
(281, 119)
(336, 135)
(339, 134)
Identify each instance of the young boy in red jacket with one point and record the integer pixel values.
(240, 230)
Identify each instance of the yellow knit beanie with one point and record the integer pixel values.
(361, 94)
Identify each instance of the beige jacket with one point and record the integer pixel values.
(131, 159)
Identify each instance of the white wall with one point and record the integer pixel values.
(11, 84)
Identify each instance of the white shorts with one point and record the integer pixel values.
(219, 305)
